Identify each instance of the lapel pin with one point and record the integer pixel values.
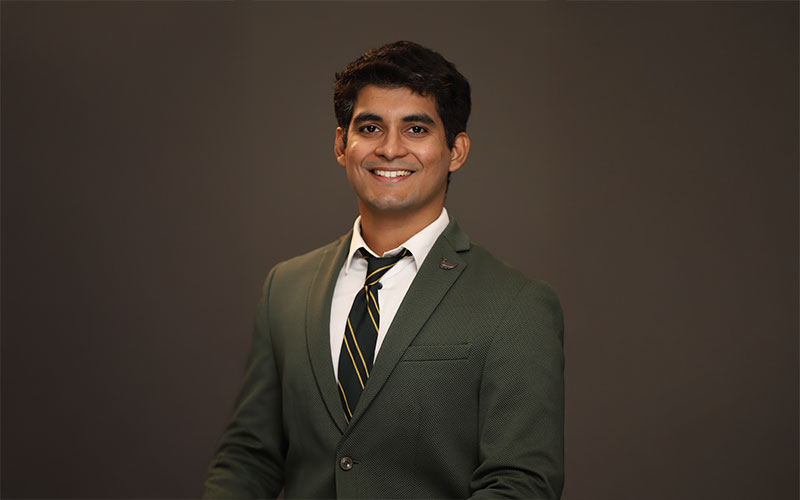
(446, 265)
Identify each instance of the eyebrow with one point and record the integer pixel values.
(372, 117)
(422, 118)
(366, 117)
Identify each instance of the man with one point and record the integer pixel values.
(435, 371)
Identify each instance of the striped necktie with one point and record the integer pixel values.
(361, 332)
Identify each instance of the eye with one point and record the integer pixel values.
(417, 129)
(370, 129)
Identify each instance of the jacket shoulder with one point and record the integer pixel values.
(305, 264)
(493, 271)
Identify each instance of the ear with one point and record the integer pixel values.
(339, 147)
(459, 151)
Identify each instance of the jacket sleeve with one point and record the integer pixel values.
(250, 458)
(521, 408)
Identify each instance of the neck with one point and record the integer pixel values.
(384, 232)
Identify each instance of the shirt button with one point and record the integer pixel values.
(346, 463)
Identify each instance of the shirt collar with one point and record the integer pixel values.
(419, 245)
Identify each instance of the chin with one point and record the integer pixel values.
(391, 208)
(391, 205)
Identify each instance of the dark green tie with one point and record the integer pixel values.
(361, 332)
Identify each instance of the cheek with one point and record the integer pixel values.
(355, 154)
(435, 152)
(438, 159)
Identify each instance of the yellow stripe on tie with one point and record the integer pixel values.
(358, 348)
(405, 252)
(345, 401)
(373, 320)
(378, 270)
(355, 366)
(374, 301)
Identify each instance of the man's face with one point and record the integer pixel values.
(396, 157)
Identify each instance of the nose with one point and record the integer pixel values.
(391, 146)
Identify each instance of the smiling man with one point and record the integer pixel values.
(402, 360)
(397, 159)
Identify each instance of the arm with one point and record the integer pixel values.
(521, 409)
(249, 459)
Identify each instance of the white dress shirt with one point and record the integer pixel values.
(395, 282)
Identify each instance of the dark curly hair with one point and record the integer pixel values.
(409, 65)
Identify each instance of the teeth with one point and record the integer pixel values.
(392, 173)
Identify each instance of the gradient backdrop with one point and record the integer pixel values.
(158, 158)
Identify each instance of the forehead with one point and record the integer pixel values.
(394, 103)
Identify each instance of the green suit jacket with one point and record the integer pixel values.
(466, 396)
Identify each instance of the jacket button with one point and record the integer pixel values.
(346, 463)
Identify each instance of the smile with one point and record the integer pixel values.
(392, 173)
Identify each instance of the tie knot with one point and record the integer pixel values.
(378, 266)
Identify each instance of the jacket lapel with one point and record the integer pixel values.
(432, 282)
(318, 318)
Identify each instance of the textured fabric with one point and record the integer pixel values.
(361, 332)
(395, 283)
(465, 398)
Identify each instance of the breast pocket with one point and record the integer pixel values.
(440, 352)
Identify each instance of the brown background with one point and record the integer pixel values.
(158, 158)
